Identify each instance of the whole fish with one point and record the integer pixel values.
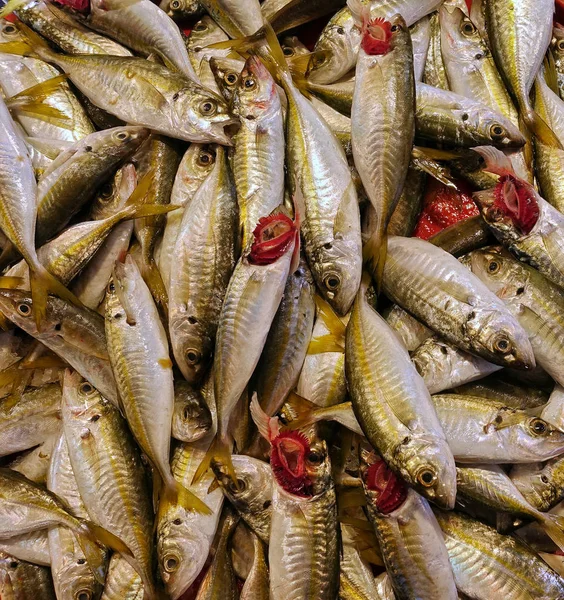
(196, 164)
(252, 494)
(383, 123)
(303, 549)
(184, 538)
(258, 147)
(434, 72)
(21, 580)
(71, 573)
(191, 419)
(542, 484)
(144, 27)
(205, 33)
(287, 14)
(519, 34)
(75, 334)
(287, 342)
(458, 306)
(521, 220)
(401, 518)
(98, 442)
(482, 431)
(138, 351)
(30, 419)
(238, 18)
(150, 95)
(395, 411)
(512, 571)
(205, 257)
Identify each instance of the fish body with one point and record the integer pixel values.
(238, 18)
(287, 14)
(21, 580)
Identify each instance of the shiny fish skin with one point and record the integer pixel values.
(458, 306)
(257, 582)
(410, 331)
(542, 484)
(32, 547)
(287, 14)
(395, 412)
(557, 47)
(238, 18)
(122, 581)
(35, 463)
(205, 258)
(20, 580)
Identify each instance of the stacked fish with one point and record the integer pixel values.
(227, 369)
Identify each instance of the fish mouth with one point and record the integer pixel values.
(222, 133)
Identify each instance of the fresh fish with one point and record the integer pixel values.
(191, 419)
(21, 580)
(287, 14)
(257, 582)
(252, 494)
(512, 571)
(31, 547)
(482, 431)
(205, 33)
(227, 74)
(434, 72)
(382, 121)
(401, 518)
(75, 334)
(205, 253)
(443, 366)
(356, 578)
(458, 306)
(144, 27)
(258, 147)
(196, 164)
(553, 411)
(30, 419)
(542, 484)
(464, 236)
(238, 18)
(287, 342)
(71, 573)
(340, 125)
(122, 582)
(99, 443)
(420, 33)
(35, 463)
(410, 331)
(395, 411)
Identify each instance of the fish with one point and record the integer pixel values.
(206, 33)
(413, 263)
(557, 48)
(172, 104)
(257, 582)
(99, 443)
(227, 73)
(31, 547)
(205, 252)
(72, 575)
(287, 14)
(258, 147)
(408, 208)
(122, 582)
(434, 72)
(251, 495)
(395, 412)
(410, 331)
(35, 463)
(133, 327)
(540, 483)
(401, 518)
(512, 570)
(238, 18)
(420, 33)
(303, 549)
(191, 419)
(24, 581)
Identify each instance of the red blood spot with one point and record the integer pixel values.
(273, 235)
(376, 35)
(469, 5)
(516, 199)
(443, 207)
(287, 459)
(392, 491)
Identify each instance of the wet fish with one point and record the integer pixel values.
(542, 484)
(257, 582)
(287, 14)
(21, 580)
(238, 18)
(31, 547)
(191, 419)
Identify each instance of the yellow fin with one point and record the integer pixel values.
(333, 322)
(325, 343)
(541, 130)
(553, 526)
(220, 452)
(18, 48)
(11, 6)
(11, 283)
(351, 498)
(173, 493)
(375, 252)
(356, 523)
(550, 75)
(154, 281)
(34, 43)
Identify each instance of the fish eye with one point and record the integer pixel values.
(85, 388)
(288, 51)
(497, 131)
(177, 521)
(199, 26)
(318, 60)
(187, 413)
(24, 309)
(230, 77)
(332, 282)
(106, 191)
(249, 83)
(538, 426)
(341, 30)
(193, 357)
(83, 595)
(208, 107)
(426, 477)
(9, 29)
(493, 266)
(111, 287)
(467, 28)
(171, 563)
(14, 564)
(122, 135)
(205, 158)
(395, 28)
(237, 488)
(559, 45)
(315, 458)
(502, 345)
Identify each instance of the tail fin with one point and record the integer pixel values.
(553, 526)
(375, 252)
(155, 283)
(173, 493)
(543, 132)
(41, 283)
(220, 451)
(134, 211)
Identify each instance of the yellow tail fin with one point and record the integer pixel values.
(155, 283)
(142, 211)
(34, 44)
(11, 6)
(553, 526)
(173, 493)
(542, 131)
(375, 252)
(219, 451)
(95, 553)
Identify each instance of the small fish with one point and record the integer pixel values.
(191, 419)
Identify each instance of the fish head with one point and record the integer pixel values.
(292, 46)
(256, 95)
(114, 194)
(427, 464)
(227, 74)
(537, 439)
(17, 306)
(178, 9)
(206, 114)
(557, 42)
(461, 41)
(534, 483)
(191, 419)
(10, 32)
(501, 132)
(381, 36)
(117, 142)
(335, 50)
(253, 489)
(385, 490)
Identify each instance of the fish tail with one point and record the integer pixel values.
(42, 283)
(553, 526)
(220, 452)
(541, 130)
(375, 252)
(155, 283)
(141, 211)
(174, 493)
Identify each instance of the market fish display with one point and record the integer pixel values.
(281, 300)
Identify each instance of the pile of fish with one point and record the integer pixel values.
(227, 367)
